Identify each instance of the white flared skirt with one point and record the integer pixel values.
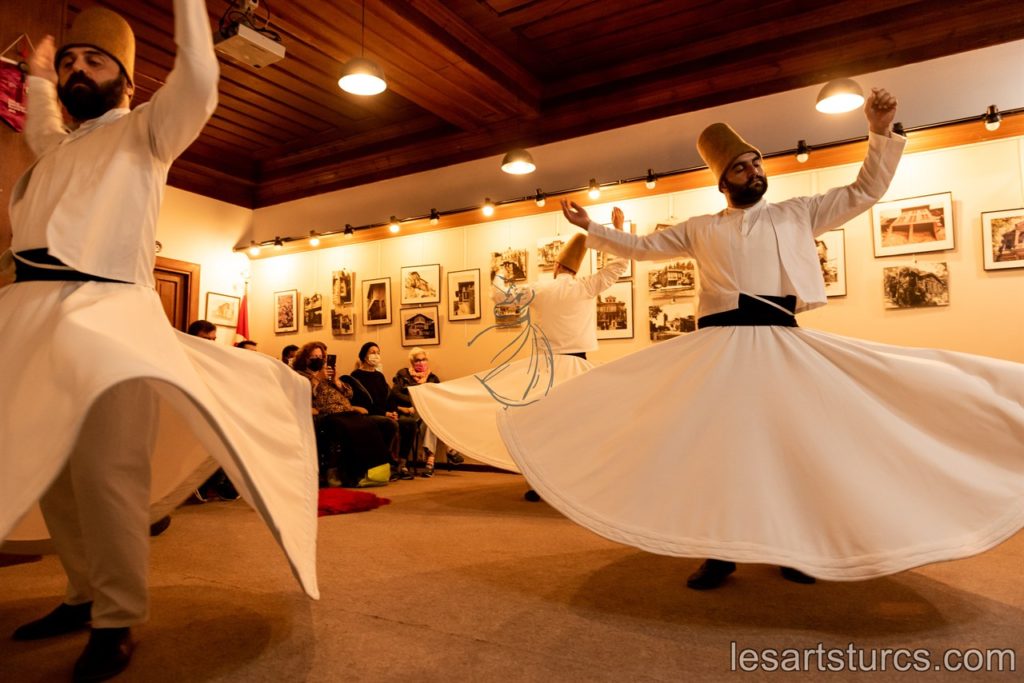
(843, 458)
(62, 345)
(462, 412)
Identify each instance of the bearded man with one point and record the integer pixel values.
(106, 409)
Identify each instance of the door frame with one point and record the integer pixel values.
(191, 273)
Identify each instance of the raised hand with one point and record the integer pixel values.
(40, 63)
(575, 214)
(880, 110)
(618, 218)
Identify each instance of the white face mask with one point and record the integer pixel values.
(373, 359)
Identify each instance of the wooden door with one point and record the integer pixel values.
(177, 283)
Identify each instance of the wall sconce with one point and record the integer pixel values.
(435, 217)
(278, 243)
(314, 238)
(254, 249)
(540, 198)
(898, 129)
(518, 162)
(651, 181)
(488, 207)
(593, 189)
(349, 230)
(393, 225)
(839, 96)
(803, 152)
(992, 118)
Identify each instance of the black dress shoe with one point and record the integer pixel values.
(710, 575)
(106, 654)
(65, 619)
(796, 576)
(454, 458)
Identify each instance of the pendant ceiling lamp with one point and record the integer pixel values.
(839, 96)
(362, 76)
(518, 162)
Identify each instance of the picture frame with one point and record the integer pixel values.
(677, 277)
(421, 284)
(915, 225)
(599, 259)
(343, 321)
(464, 294)
(671, 319)
(615, 311)
(916, 285)
(343, 284)
(511, 263)
(547, 251)
(377, 301)
(1002, 239)
(420, 326)
(832, 257)
(222, 309)
(286, 311)
(313, 310)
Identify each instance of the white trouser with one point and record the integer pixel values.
(97, 510)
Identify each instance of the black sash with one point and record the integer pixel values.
(754, 312)
(26, 272)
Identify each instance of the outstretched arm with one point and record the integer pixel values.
(880, 110)
(44, 125)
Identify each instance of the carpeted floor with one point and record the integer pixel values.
(459, 579)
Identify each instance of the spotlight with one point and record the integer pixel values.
(488, 207)
(314, 239)
(278, 243)
(254, 249)
(540, 198)
(803, 152)
(435, 217)
(518, 162)
(898, 129)
(839, 96)
(992, 118)
(393, 225)
(593, 190)
(349, 230)
(652, 182)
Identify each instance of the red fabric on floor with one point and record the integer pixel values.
(338, 501)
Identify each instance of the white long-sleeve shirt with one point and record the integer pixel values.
(715, 241)
(93, 195)
(564, 307)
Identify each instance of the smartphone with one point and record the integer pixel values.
(332, 359)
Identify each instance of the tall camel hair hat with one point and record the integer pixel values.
(572, 253)
(718, 145)
(107, 31)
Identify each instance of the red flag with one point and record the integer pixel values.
(242, 330)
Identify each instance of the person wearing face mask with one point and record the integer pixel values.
(417, 374)
(370, 390)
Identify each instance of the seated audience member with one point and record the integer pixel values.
(364, 440)
(370, 390)
(203, 329)
(288, 353)
(409, 423)
(247, 344)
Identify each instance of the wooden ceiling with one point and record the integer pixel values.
(473, 78)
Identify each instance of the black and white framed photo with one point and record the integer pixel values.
(420, 326)
(286, 311)
(464, 294)
(670, 319)
(916, 285)
(615, 312)
(832, 257)
(377, 301)
(343, 321)
(222, 309)
(1002, 238)
(915, 225)
(313, 310)
(509, 264)
(343, 284)
(599, 259)
(547, 251)
(421, 284)
(673, 278)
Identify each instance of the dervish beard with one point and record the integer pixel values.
(93, 100)
(745, 195)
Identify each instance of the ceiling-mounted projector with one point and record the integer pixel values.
(248, 46)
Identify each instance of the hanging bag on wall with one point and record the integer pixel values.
(13, 96)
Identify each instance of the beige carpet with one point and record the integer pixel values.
(459, 579)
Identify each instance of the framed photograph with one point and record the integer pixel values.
(313, 310)
(832, 257)
(615, 312)
(377, 301)
(343, 283)
(547, 251)
(421, 284)
(464, 294)
(676, 278)
(1002, 237)
(916, 285)
(599, 259)
(286, 311)
(671, 319)
(510, 264)
(914, 225)
(222, 309)
(420, 326)
(343, 321)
